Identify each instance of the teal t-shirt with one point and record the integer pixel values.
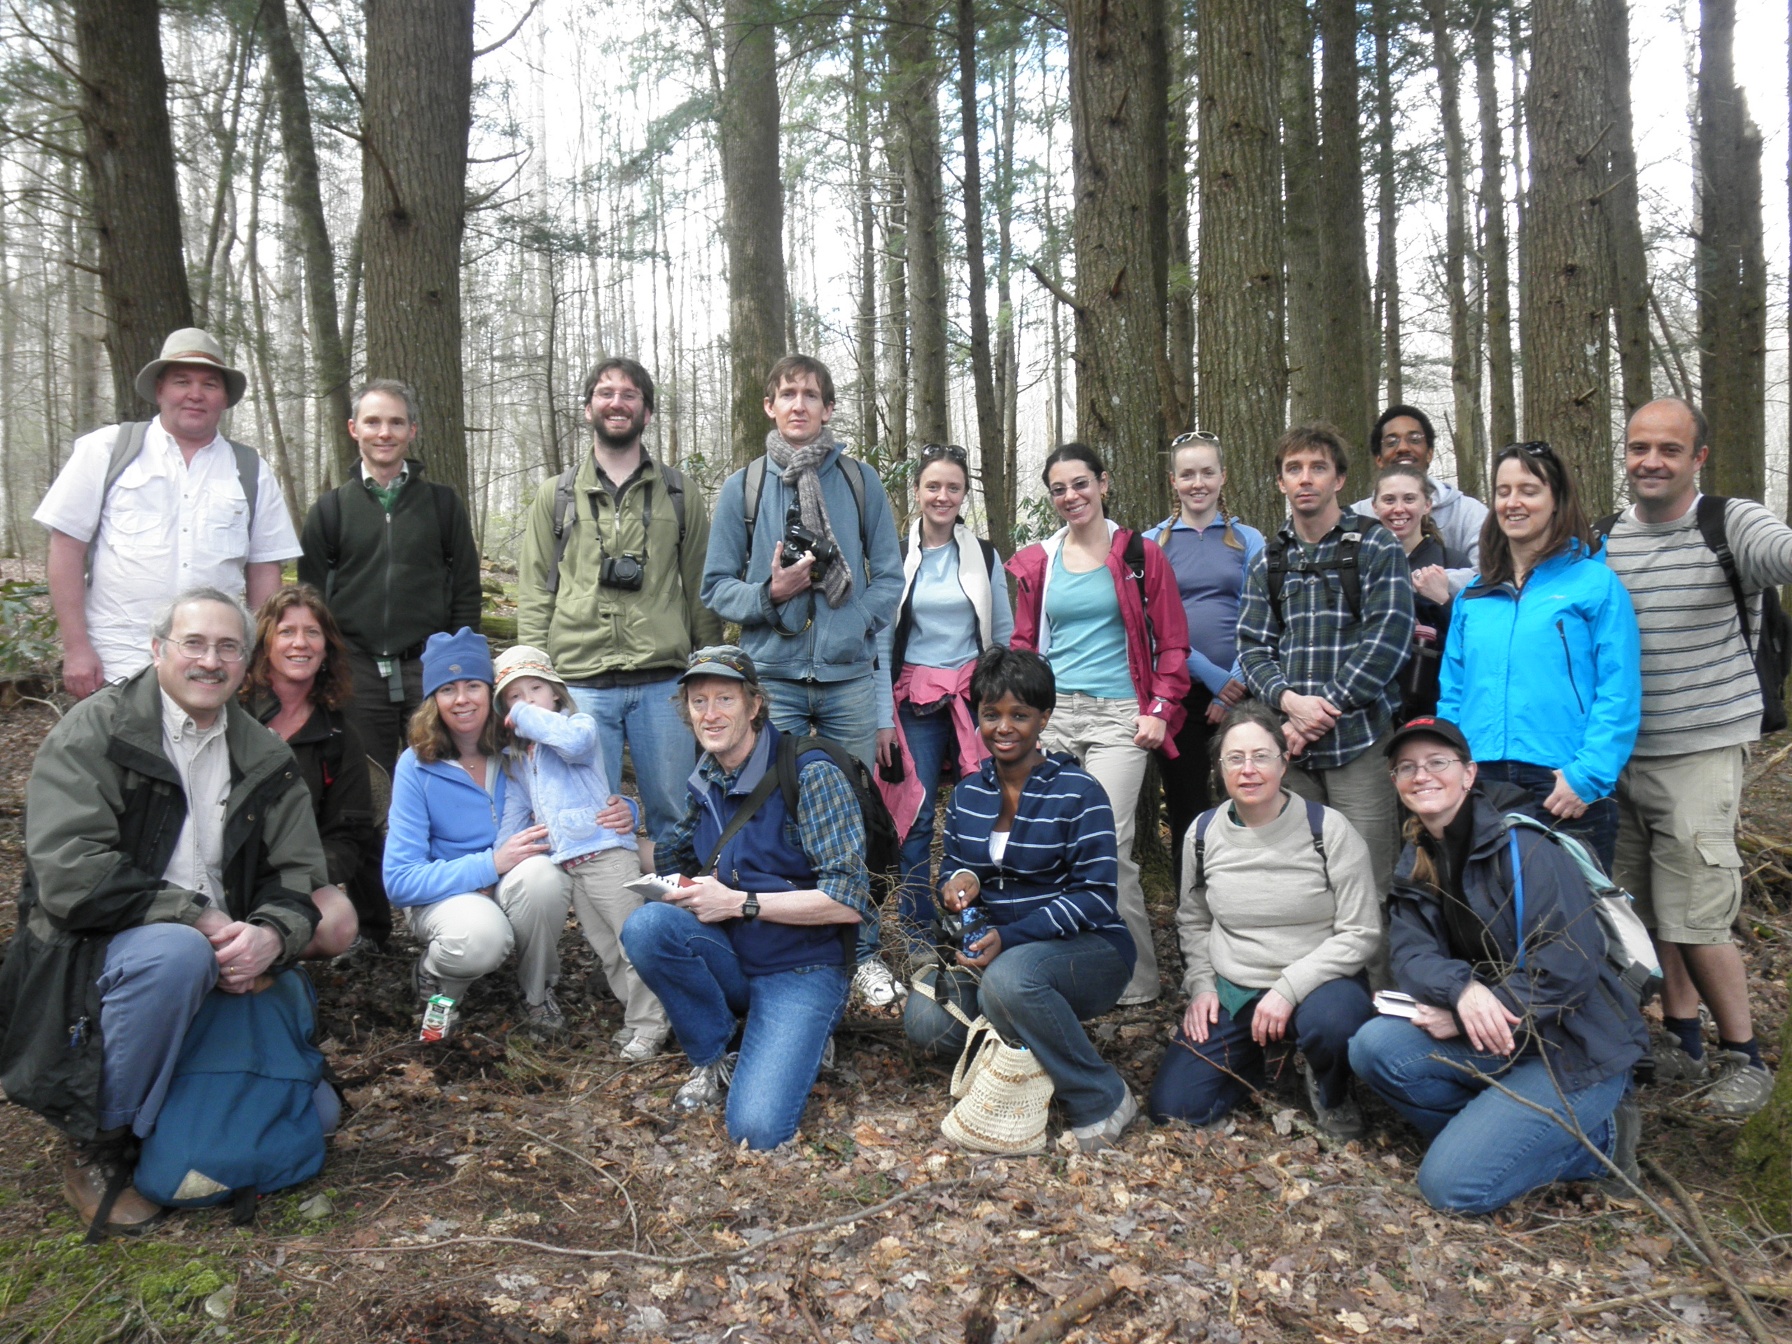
(1088, 648)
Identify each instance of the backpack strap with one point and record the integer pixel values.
(753, 490)
(1275, 572)
(1316, 824)
(1133, 557)
(1345, 564)
(1710, 513)
(1350, 575)
(1202, 822)
(248, 473)
(674, 481)
(126, 445)
(1517, 894)
(563, 512)
(742, 815)
(1602, 528)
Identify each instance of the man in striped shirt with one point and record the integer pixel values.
(1679, 796)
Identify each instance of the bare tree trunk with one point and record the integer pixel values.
(1001, 501)
(1119, 102)
(1496, 268)
(1182, 278)
(258, 327)
(1563, 262)
(1242, 390)
(1387, 251)
(1300, 175)
(753, 213)
(304, 196)
(868, 269)
(1630, 261)
(915, 79)
(1470, 443)
(989, 412)
(896, 284)
(1347, 397)
(129, 152)
(413, 210)
(1732, 297)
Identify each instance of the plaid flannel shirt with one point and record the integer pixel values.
(1317, 650)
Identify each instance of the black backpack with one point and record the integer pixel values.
(1773, 652)
(1343, 563)
(564, 505)
(329, 514)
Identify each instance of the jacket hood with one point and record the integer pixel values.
(1491, 801)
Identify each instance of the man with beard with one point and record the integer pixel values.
(611, 571)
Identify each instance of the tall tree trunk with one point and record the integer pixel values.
(1732, 345)
(1387, 250)
(915, 78)
(129, 152)
(1119, 103)
(868, 268)
(1563, 258)
(1001, 503)
(1300, 175)
(413, 211)
(1470, 443)
(1630, 261)
(1347, 395)
(1242, 392)
(1181, 316)
(752, 214)
(260, 345)
(304, 196)
(1496, 266)
(989, 413)
(896, 285)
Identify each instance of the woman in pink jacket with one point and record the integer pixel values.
(1100, 603)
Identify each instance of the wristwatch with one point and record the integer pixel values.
(749, 908)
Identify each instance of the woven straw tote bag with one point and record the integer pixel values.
(1002, 1095)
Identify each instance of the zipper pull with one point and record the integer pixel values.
(77, 1035)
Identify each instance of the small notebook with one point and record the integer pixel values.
(1394, 1003)
(652, 886)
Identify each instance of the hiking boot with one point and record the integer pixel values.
(1106, 1133)
(105, 1164)
(873, 983)
(1674, 1065)
(706, 1086)
(1342, 1122)
(639, 1049)
(1627, 1120)
(543, 1019)
(1739, 1087)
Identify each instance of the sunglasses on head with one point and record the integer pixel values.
(932, 452)
(1194, 436)
(1531, 448)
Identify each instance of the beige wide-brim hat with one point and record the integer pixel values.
(192, 346)
(523, 660)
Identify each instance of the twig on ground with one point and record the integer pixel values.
(621, 1189)
(1772, 1291)
(1767, 766)
(56, 1329)
(1057, 1322)
(1745, 1306)
(670, 1261)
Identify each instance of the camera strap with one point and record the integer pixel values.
(646, 521)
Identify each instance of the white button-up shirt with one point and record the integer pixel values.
(166, 526)
(202, 759)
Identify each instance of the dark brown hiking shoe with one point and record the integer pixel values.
(93, 1171)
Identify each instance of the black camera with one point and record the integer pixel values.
(798, 539)
(625, 572)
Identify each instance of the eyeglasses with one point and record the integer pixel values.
(1413, 438)
(227, 650)
(1532, 448)
(1193, 436)
(1436, 766)
(1260, 760)
(932, 452)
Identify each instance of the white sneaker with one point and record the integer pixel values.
(640, 1049)
(706, 1086)
(873, 983)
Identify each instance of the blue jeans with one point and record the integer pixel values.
(154, 979)
(1596, 828)
(1200, 1082)
(845, 712)
(691, 966)
(659, 743)
(1486, 1149)
(932, 744)
(1039, 995)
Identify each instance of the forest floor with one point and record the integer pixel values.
(495, 1190)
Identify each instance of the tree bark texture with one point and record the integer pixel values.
(868, 268)
(1300, 174)
(1242, 389)
(915, 74)
(1496, 303)
(1181, 315)
(1564, 263)
(1000, 487)
(1630, 260)
(1732, 290)
(1465, 354)
(413, 212)
(1387, 250)
(896, 286)
(305, 200)
(1347, 388)
(752, 214)
(1119, 104)
(128, 149)
(983, 379)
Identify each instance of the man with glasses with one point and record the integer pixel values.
(145, 509)
(609, 581)
(170, 848)
(1678, 798)
(1404, 434)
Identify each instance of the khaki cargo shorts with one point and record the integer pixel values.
(1677, 842)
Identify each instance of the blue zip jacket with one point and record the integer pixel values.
(1550, 675)
(440, 832)
(561, 784)
(1197, 606)
(805, 638)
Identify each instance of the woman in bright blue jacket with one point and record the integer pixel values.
(1542, 670)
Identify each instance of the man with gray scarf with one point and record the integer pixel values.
(804, 556)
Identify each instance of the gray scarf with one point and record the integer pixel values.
(802, 473)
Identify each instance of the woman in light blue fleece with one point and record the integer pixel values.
(556, 772)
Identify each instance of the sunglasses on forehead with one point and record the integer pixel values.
(1194, 436)
(932, 452)
(1532, 448)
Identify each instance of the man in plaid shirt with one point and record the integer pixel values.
(1332, 671)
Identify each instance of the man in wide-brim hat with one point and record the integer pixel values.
(145, 509)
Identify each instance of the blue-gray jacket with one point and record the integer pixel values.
(1575, 1012)
(804, 639)
(561, 784)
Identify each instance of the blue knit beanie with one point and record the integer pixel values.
(462, 656)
